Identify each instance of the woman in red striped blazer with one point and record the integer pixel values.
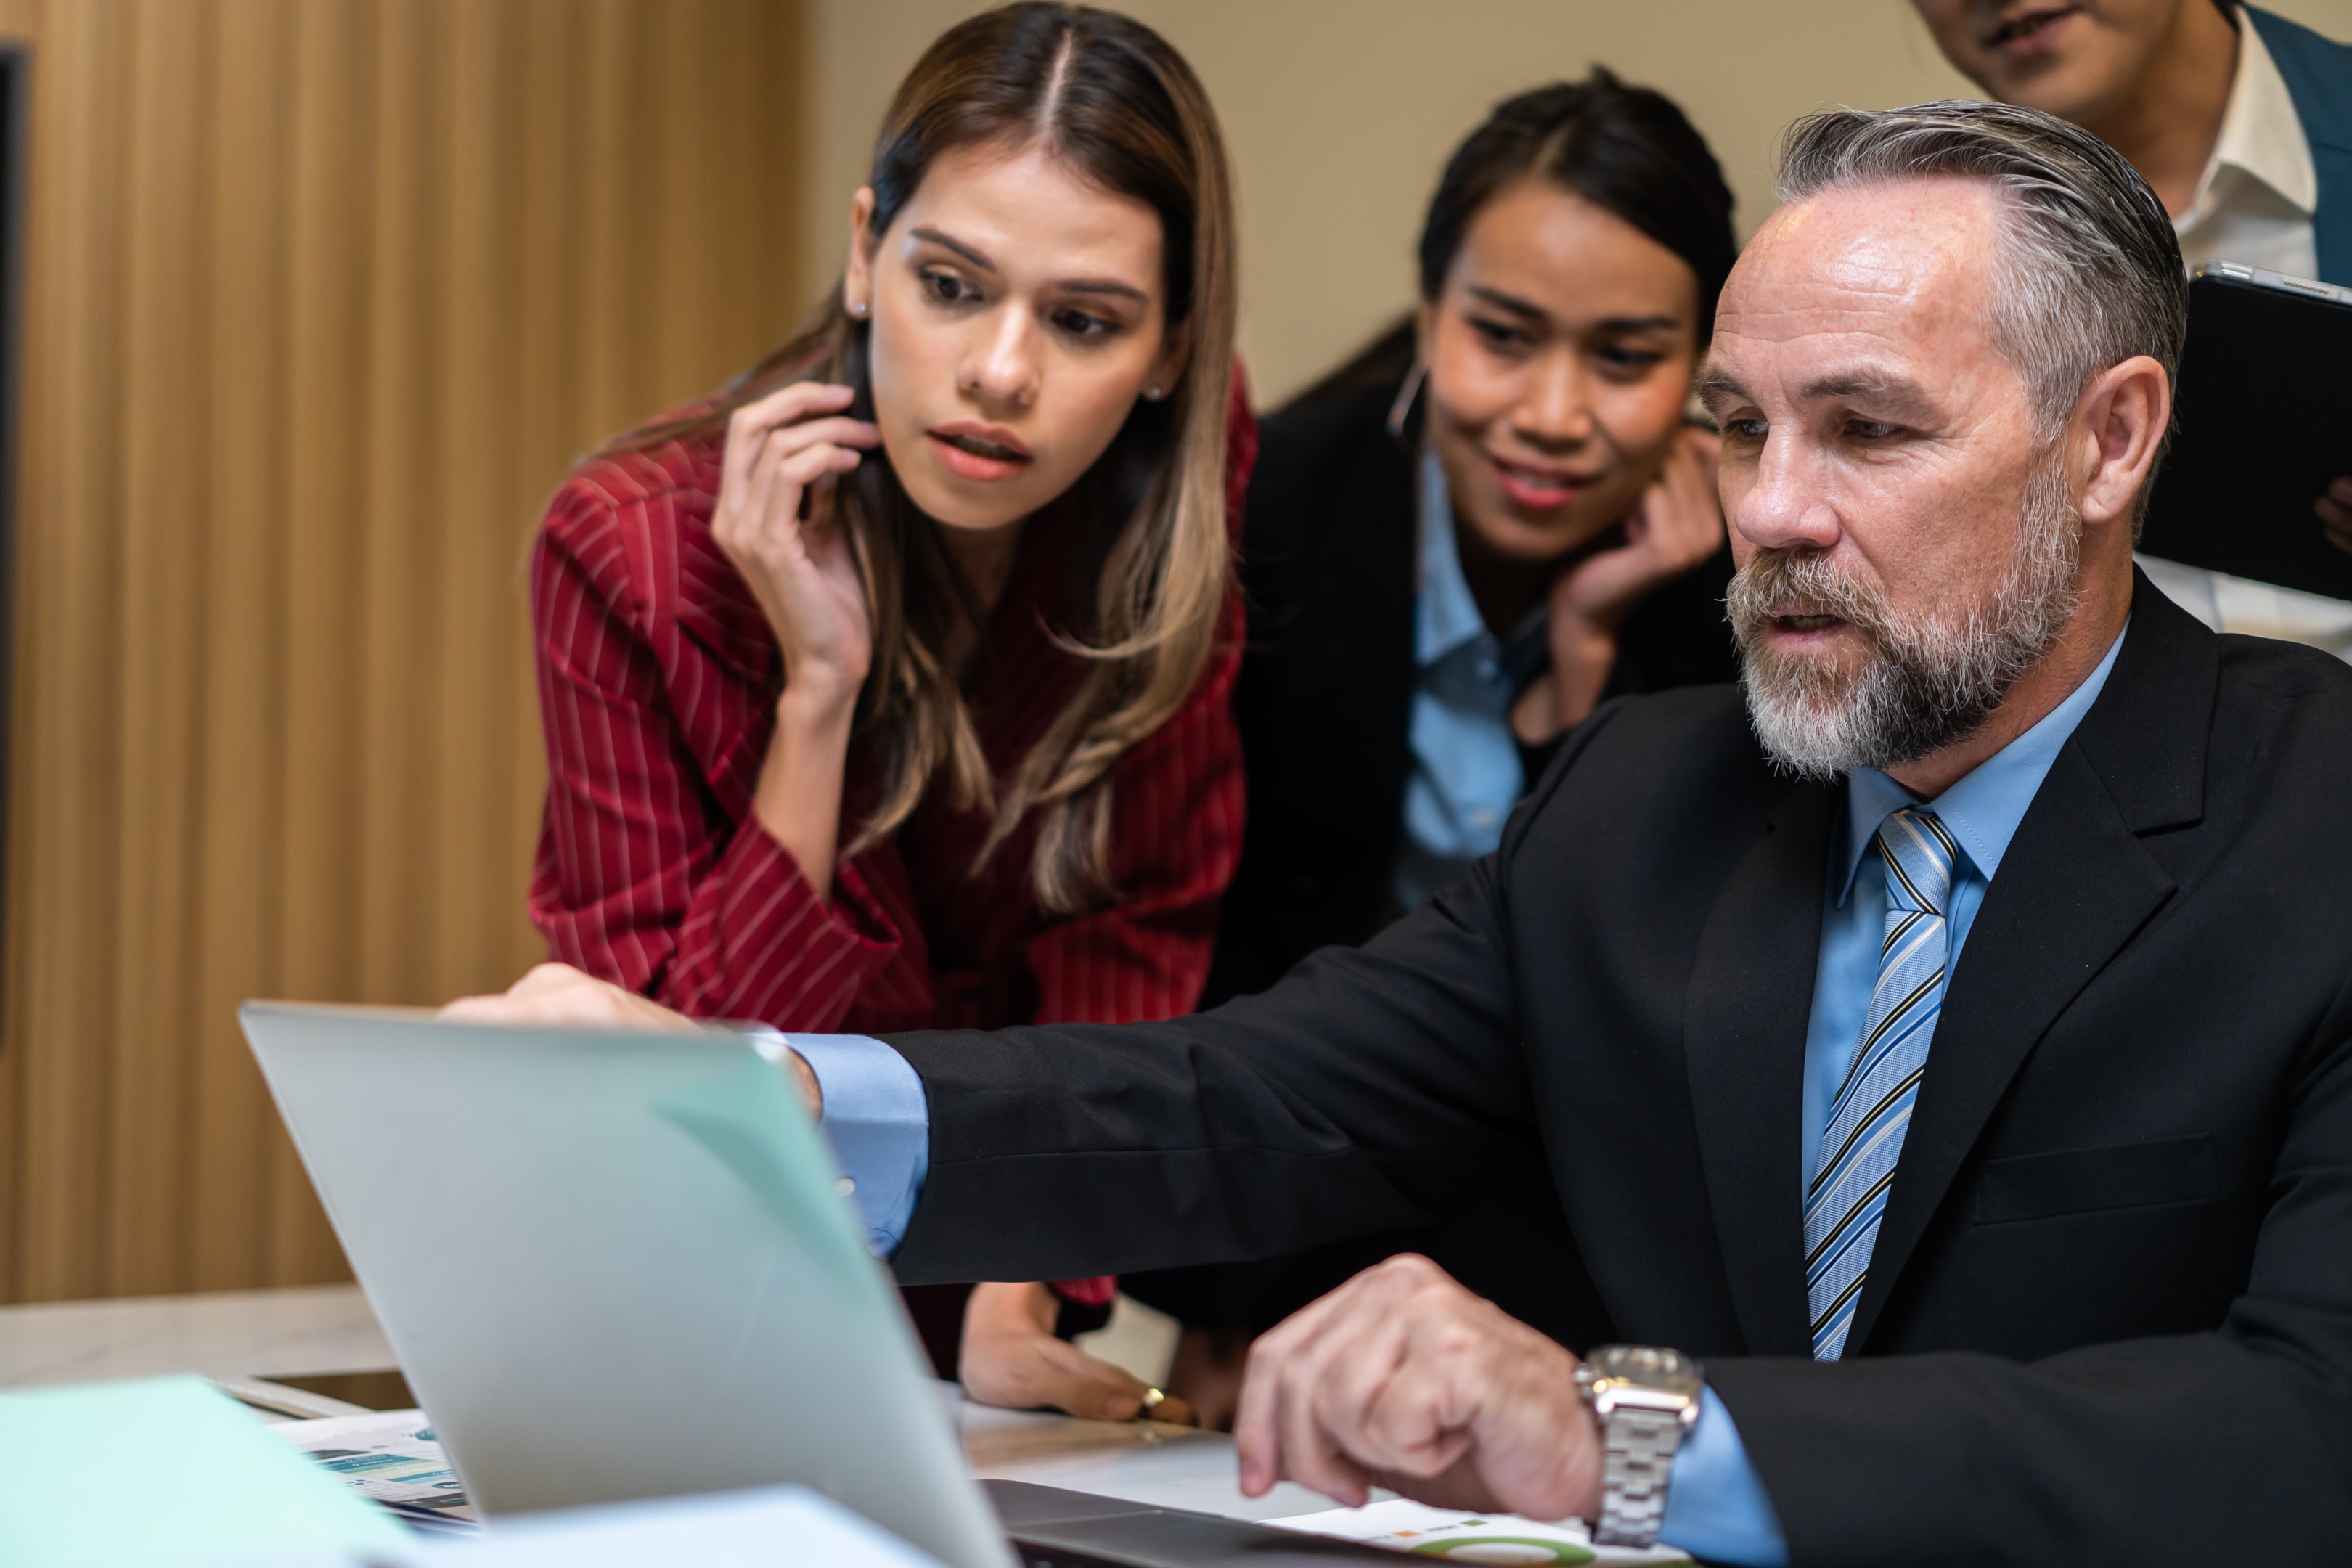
(887, 689)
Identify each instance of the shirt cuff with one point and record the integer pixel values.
(1717, 1508)
(879, 1125)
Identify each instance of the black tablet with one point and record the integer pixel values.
(2265, 408)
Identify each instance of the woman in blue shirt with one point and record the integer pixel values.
(1495, 516)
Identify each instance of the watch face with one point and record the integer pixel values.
(1647, 1366)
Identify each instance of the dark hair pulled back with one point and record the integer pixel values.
(1627, 150)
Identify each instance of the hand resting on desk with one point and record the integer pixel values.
(1010, 1355)
(1401, 1378)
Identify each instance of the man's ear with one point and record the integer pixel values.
(857, 275)
(2118, 426)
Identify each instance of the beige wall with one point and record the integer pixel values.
(322, 296)
(1341, 111)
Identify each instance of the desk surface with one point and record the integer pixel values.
(237, 1335)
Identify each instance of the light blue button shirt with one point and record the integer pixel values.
(1466, 774)
(1981, 813)
(880, 1126)
(1716, 1506)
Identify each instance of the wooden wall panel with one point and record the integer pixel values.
(323, 296)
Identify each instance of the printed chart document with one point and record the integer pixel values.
(1419, 1530)
(390, 1457)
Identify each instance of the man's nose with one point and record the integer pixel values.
(1002, 367)
(1556, 414)
(1782, 499)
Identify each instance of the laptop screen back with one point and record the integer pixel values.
(618, 1266)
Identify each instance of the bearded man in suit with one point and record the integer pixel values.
(1947, 1040)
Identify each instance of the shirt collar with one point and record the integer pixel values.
(2262, 135)
(1983, 810)
(1445, 616)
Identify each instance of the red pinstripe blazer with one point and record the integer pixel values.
(658, 681)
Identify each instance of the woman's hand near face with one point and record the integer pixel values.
(800, 569)
(1010, 1357)
(1677, 524)
(805, 578)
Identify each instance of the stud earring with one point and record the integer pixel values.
(858, 307)
(1155, 391)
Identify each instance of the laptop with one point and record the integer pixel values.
(619, 1265)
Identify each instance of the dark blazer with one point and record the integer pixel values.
(2109, 1314)
(1331, 559)
(1330, 556)
(2318, 75)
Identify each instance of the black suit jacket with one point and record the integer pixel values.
(2109, 1314)
(1330, 556)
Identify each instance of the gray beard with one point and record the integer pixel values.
(1928, 682)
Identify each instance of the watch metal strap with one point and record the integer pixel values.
(1637, 1460)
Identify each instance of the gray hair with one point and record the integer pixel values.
(2090, 273)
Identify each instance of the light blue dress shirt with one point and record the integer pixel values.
(879, 1124)
(1716, 1506)
(1466, 774)
(1981, 813)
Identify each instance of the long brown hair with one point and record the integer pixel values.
(1110, 97)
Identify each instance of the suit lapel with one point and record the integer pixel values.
(2076, 885)
(1744, 1025)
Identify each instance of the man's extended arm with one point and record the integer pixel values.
(1371, 1088)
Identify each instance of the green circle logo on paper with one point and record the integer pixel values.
(1514, 1551)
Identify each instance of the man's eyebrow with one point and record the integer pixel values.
(1714, 387)
(1883, 389)
(946, 242)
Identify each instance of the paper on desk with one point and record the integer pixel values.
(166, 1473)
(392, 1458)
(756, 1529)
(388, 1457)
(1402, 1525)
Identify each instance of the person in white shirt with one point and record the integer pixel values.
(2241, 123)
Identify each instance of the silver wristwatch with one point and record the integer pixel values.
(1644, 1398)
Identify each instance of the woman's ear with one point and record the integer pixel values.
(857, 275)
(1424, 330)
(1175, 352)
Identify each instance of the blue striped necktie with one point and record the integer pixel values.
(1872, 1109)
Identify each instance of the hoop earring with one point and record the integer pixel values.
(1401, 409)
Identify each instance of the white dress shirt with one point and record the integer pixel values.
(2254, 204)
